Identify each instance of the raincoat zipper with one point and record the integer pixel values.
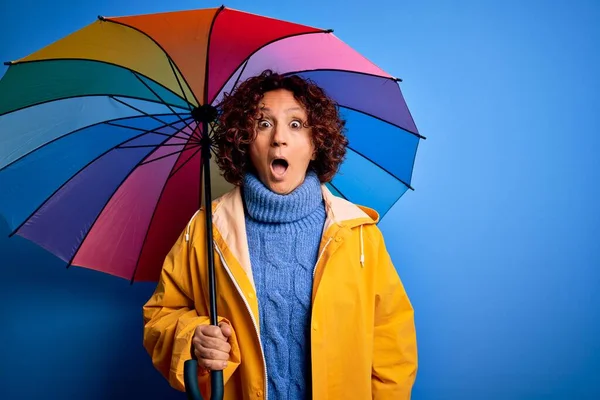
(320, 255)
(251, 317)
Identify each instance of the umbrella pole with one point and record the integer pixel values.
(191, 366)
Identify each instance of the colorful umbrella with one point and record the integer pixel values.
(104, 134)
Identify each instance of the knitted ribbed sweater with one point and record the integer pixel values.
(284, 232)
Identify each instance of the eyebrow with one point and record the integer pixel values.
(267, 109)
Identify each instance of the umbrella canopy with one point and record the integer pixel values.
(100, 140)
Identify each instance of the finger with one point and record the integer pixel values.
(212, 331)
(226, 329)
(211, 354)
(213, 343)
(214, 365)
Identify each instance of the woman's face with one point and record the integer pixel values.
(283, 147)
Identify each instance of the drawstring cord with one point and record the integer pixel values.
(187, 229)
(362, 249)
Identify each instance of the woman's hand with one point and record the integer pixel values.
(211, 345)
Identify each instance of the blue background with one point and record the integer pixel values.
(497, 246)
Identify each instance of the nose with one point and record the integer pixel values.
(279, 136)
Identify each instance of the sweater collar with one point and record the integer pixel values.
(264, 205)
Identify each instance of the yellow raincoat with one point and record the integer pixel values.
(363, 339)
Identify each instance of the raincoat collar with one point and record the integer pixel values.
(230, 228)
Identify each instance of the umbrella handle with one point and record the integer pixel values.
(190, 376)
(190, 367)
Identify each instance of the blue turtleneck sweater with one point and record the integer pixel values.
(284, 232)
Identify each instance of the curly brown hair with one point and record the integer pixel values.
(235, 128)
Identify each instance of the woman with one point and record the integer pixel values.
(309, 303)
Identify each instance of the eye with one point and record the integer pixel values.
(264, 124)
(296, 124)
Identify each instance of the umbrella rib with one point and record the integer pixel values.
(214, 151)
(194, 144)
(390, 78)
(137, 262)
(158, 45)
(379, 166)
(207, 65)
(187, 136)
(79, 96)
(73, 176)
(138, 110)
(263, 46)
(338, 190)
(382, 215)
(92, 95)
(157, 96)
(170, 154)
(237, 80)
(141, 146)
(212, 128)
(383, 120)
(172, 65)
(412, 165)
(185, 162)
(78, 130)
(153, 131)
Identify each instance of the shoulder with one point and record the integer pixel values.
(224, 207)
(347, 212)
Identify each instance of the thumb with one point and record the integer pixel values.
(226, 329)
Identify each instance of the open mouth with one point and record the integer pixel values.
(279, 166)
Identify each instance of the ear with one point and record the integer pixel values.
(314, 155)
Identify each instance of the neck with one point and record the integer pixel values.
(264, 205)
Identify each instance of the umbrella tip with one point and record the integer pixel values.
(8, 63)
(329, 31)
(397, 79)
(101, 18)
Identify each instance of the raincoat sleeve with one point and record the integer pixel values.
(395, 344)
(172, 314)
